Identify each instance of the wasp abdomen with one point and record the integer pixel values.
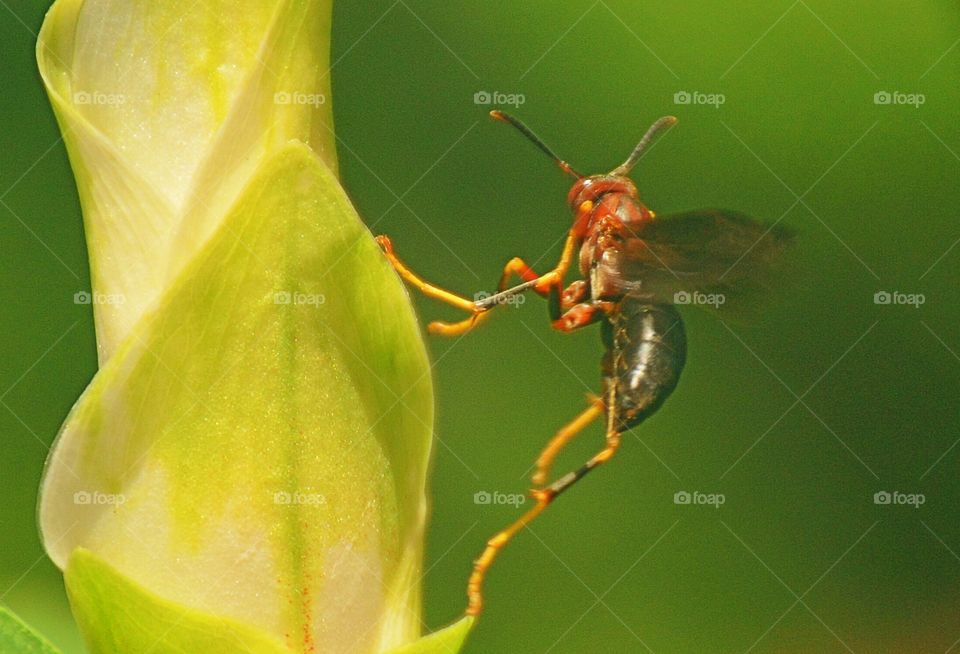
(647, 349)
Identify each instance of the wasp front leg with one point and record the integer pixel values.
(515, 266)
(478, 311)
(547, 285)
(424, 287)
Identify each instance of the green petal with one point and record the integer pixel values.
(259, 461)
(18, 638)
(167, 108)
(122, 617)
(118, 616)
(448, 640)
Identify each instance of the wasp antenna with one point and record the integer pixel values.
(533, 138)
(625, 168)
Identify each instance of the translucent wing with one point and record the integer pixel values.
(712, 258)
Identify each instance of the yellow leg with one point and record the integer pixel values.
(481, 565)
(555, 276)
(564, 436)
(543, 498)
(478, 314)
(424, 287)
(515, 266)
(518, 266)
(574, 238)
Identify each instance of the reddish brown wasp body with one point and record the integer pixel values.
(634, 268)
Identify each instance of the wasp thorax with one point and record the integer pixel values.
(589, 189)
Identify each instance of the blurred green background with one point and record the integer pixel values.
(798, 419)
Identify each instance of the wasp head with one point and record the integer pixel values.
(589, 189)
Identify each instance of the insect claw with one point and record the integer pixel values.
(384, 242)
(440, 328)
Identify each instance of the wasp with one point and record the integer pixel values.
(635, 267)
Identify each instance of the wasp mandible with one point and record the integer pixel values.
(634, 267)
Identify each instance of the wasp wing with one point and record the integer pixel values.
(713, 258)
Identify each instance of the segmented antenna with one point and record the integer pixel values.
(526, 131)
(625, 168)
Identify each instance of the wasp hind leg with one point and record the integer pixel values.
(544, 497)
(564, 435)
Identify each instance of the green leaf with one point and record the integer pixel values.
(261, 457)
(18, 638)
(448, 640)
(118, 616)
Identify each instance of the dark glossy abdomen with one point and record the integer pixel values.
(647, 347)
